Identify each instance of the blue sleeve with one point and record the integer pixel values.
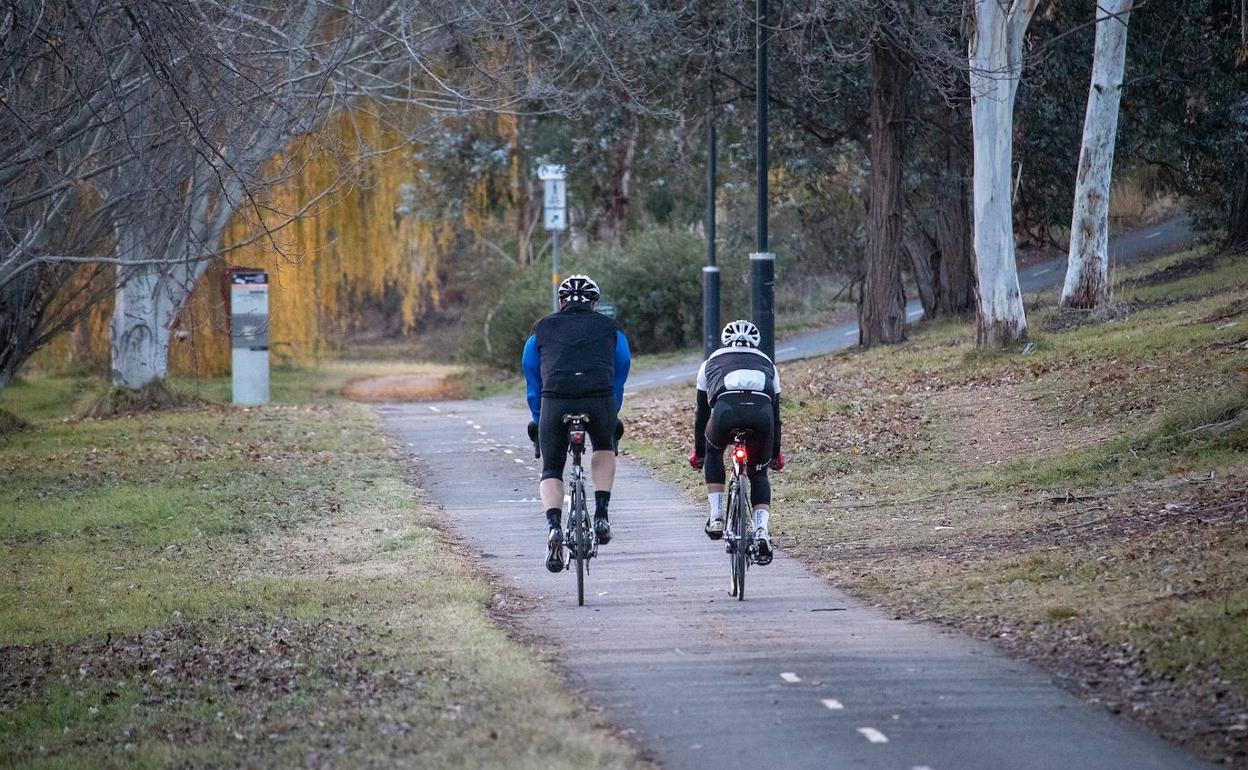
(623, 360)
(531, 362)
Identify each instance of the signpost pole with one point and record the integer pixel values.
(554, 269)
(555, 214)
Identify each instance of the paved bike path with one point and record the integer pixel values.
(798, 675)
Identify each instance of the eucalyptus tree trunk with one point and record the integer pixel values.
(921, 253)
(882, 312)
(955, 281)
(615, 214)
(1087, 270)
(996, 64)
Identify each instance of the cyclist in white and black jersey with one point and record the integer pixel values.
(738, 389)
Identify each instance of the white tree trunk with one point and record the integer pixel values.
(143, 312)
(1087, 271)
(996, 63)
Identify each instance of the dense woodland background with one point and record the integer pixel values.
(386, 180)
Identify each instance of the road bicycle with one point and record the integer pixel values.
(742, 548)
(579, 537)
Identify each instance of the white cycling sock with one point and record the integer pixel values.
(760, 518)
(716, 502)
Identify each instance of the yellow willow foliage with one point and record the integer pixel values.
(349, 261)
(85, 346)
(349, 254)
(352, 252)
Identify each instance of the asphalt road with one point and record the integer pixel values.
(797, 676)
(1124, 249)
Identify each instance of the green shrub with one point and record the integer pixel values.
(654, 279)
(502, 320)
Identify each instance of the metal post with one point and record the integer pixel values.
(760, 98)
(762, 262)
(710, 310)
(710, 273)
(762, 300)
(554, 269)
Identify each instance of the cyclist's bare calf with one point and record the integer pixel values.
(602, 471)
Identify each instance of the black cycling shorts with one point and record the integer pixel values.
(741, 411)
(552, 434)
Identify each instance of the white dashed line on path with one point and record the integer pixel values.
(790, 677)
(1152, 235)
(920, 767)
(851, 333)
(873, 735)
(789, 349)
(434, 409)
(832, 704)
(670, 377)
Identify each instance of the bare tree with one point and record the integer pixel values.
(153, 125)
(996, 64)
(883, 313)
(1087, 271)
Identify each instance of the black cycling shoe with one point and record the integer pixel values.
(763, 558)
(602, 528)
(554, 551)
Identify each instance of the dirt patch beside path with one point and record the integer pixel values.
(1002, 424)
(402, 387)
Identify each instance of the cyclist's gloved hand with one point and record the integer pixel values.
(532, 431)
(619, 429)
(777, 462)
(695, 460)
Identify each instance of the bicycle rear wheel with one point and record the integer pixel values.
(736, 546)
(580, 542)
(741, 522)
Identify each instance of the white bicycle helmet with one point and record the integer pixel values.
(579, 288)
(740, 333)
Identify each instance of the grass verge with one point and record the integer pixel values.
(216, 587)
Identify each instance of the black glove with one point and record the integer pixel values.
(619, 429)
(532, 431)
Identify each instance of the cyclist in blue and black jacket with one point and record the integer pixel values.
(576, 361)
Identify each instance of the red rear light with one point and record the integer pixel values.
(739, 453)
(578, 437)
